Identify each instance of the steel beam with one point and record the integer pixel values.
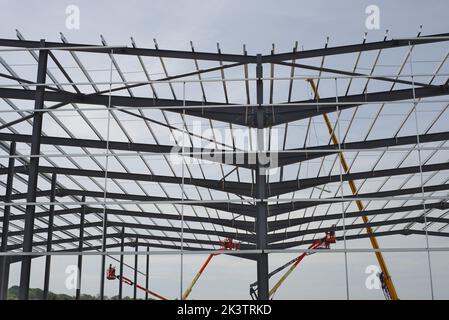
(231, 114)
(241, 188)
(112, 246)
(280, 208)
(24, 81)
(309, 108)
(292, 244)
(239, 159)
(243, 58)
(321, 231)
(44, 214)
(121, 50)
(353, 74)
(282, 245)
(284, 158)
(286, 223)
(314, 152)
(246, 210)
(367, 46)
(34, 174)
(232, 223)
(282, 113)
(236, 115)
(118, 236)
(278, 188)
(430, 233)
(403, 232)
(224, 234)
(126, 87)
(225, 186)
(298, 110)
(275, 225)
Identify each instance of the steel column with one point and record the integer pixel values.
(122, 249)
(136, 257)
(147, 273)
(80, 249)
(4, 261)
(261, 185)
(34, 174)
(49, 236)
(103, 257)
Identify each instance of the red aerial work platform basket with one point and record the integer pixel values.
(110, 273)
(229, 244)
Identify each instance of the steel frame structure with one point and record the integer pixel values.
(260, 213)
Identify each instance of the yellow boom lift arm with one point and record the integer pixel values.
(227, 244)
(323, 243)
(375, 245)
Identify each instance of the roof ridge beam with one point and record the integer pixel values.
(298, 110)
(286, 223)
(241, 159)
(242, 209)
(219, 185)
(234, 235)
(124, 50)
(231, 223)
(293, 234)
(278, 188)
(367, 46)
(314, 152)
(276, 209)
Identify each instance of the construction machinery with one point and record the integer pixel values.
(384, 286)
(111, 275)
(387, 280)
(323, 243)
(226, 244)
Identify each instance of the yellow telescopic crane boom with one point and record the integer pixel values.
(387, 278)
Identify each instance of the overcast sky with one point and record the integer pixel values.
(257, 24)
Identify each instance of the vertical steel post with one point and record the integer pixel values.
(49, 236)
(4, 261)
(136, 268)
(103, 249)
(33, 174)
(122, 249)
(80, 249)
(261, 185)
(147, 273)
